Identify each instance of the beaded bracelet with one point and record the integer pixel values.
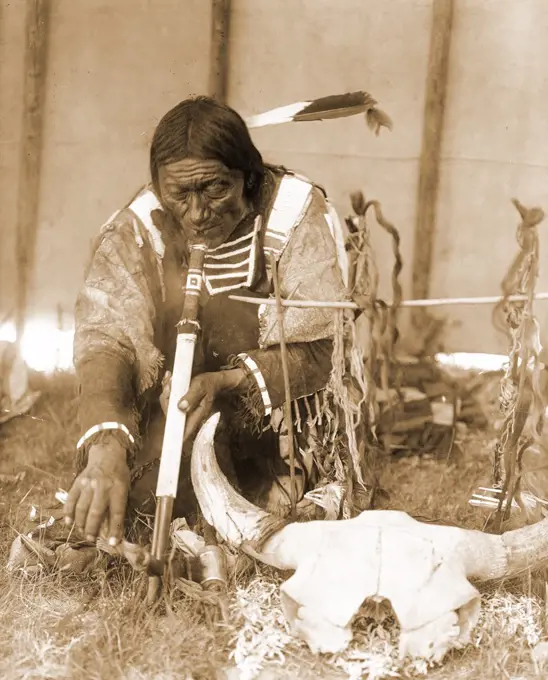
(101, 427)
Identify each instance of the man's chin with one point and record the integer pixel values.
(213, 241)
(213, 238)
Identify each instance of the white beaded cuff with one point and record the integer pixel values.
(248, 361)
(100, 428)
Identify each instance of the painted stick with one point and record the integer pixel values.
(214, 570)
(287, 390)
(170, 460)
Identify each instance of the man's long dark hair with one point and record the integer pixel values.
(203, 128)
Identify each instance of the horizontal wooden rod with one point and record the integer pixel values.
(440, 302)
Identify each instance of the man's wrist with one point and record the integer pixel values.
(110, 442)
(233, 379)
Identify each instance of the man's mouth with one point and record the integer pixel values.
(203, 229)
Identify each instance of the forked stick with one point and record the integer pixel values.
(285, 372)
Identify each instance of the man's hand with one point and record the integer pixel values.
(198, 402)
(100, 492)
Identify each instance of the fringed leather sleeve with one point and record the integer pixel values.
(114, 352)
(309, 365)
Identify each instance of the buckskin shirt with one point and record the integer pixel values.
(128, 309)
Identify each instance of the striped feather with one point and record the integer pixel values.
(336, 106)
(326, 108)
(281, 114)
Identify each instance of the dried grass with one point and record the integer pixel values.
(98, 627)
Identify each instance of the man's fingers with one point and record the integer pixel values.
(82, 507)
(196, 418)
(72, 500)
(193, 397)
(96, 513)
(118, 502)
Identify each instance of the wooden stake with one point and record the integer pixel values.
(218, 60)
(36, 37)
(285, 372)
(429, 169)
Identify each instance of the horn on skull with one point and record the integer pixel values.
(273, 541)
(236, 519)
(501, 556)
(526, 548)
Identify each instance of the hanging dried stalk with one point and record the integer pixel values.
(355, 375)
(520, 395)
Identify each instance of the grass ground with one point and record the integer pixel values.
(97, 627)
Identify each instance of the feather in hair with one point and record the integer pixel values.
(326, 108)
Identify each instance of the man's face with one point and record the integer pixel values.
(205, 197)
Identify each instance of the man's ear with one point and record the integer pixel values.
(250, 183)
(159, 217)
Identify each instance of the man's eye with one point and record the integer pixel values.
(217, 190)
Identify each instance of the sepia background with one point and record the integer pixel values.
(114, 67)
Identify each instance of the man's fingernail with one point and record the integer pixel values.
(183, 405)
(113, 541)
(90, 538)
(68, 521)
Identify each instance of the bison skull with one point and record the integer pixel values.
(426, 571)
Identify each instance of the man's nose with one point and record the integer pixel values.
(198, 212)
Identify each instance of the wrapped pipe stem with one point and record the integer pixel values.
(172, 446)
